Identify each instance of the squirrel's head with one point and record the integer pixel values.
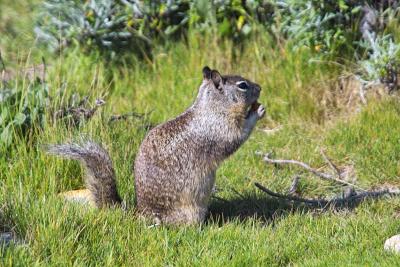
(228, 91)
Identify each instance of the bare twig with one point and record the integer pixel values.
(348, 192)
(322, 175)
(362, 94)
(331, 164)
(214, 193)
(314, 202)
(237, 193)
(338, 201)
(79, 112)
(83, 102)
(44, 70)
(273, 130)
(2, 62)
(220, 198)
(244, 198)
(3, 72)
(30, 73)
(127, 115)
(293, 187)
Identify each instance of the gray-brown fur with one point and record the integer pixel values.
(100, 174)
(176, 164)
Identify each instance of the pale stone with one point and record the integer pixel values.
(393, 244)
(6, 238)
(83, 196)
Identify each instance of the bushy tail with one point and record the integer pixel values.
(100, 174)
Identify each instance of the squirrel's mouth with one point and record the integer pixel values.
(252, 108)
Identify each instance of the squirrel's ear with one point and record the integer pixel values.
(206, 73)
(216, 78)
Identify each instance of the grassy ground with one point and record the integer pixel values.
(249, 228)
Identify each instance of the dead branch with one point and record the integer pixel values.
(322, 175)
(80, 111)
(30, 73)
(220, 198)
(44, 70)
(127, 115)
(244, 198)
(331, 164)
(3, 65)
(346, 199)
(293, 187)
(289, 197)
(237, 193)
(273, 130)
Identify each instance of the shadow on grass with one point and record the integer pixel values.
(7, 236)
(263, 208)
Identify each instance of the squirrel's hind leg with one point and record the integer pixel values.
(187, 215)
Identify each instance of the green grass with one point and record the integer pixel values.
(250, 228)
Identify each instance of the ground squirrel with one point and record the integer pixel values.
(176, 163)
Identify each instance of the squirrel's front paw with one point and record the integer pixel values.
(257, 111)
(260, 111)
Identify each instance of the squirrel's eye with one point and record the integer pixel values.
(242, 85)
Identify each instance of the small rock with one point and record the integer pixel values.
(6, 238)
(82, 196)
(393, 244)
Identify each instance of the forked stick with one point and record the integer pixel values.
(322, 175)
(338, 201)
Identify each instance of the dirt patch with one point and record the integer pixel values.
(343, 96)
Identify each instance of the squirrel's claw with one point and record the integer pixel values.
(260, 111)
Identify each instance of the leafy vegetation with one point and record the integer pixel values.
(108, 25)
(338, 30)
(22, 110)
(383, 64)
(308, 108)
(138, 25)
(326, 27)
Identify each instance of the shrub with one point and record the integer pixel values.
(338, 29)
(230, 19)
(326, 27)
(113, 26)
(104, 24)
(382, 64)
(110, 26)
(21, 111)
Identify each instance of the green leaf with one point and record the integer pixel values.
(4, 115)
(19, 119)
(356, 10)
(342, 5)
(224, 27)
(5, 136)
(246, 29)
(171, 29)
(5, 94)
